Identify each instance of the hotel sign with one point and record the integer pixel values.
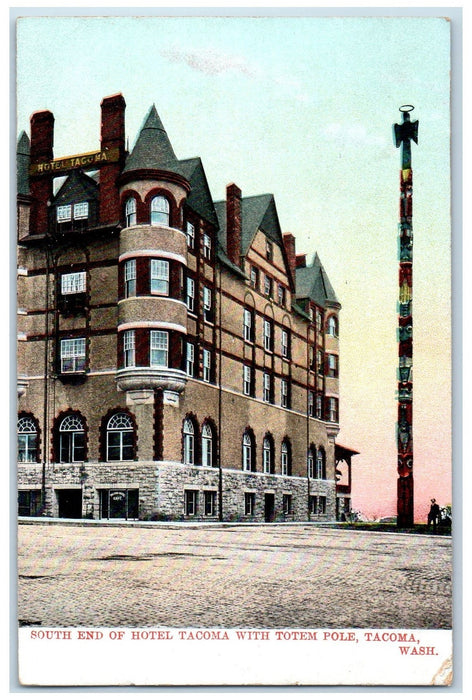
(88, 161)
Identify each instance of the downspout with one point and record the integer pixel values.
(220, 398)
(45, 460)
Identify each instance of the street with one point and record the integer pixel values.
(269, 576)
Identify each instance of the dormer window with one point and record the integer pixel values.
(73, 283)
(160, 210)
(64, 213)
(69, 212)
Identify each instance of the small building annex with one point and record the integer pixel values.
(176, 357)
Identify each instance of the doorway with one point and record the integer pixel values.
(269, 507)
(119, 503)
(69, 503)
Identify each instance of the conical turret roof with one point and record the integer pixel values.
(313, 283)
(152, 150)
(22, 164)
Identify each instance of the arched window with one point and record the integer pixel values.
(27, 440)
(286, 458)
(207, 445)
(72, 439)
(160, 210)
(310, 459)
(120, 438)
(189, 441)
(249, 452)
(333, 326)
(130, 212)
(320, 464)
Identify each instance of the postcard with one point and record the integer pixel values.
(234, 349)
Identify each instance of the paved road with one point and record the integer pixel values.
(269, 576)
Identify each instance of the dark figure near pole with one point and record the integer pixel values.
(434, 515)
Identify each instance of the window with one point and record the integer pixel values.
(130, 278)
(129, 355)
(190, 360)
(207, 446)
(210, 502)
(319, 362)
(284, 393)
(319, 407)
(27, 440)
(249, 503)
(206, 365)
(130, 212)
(190, 236)
(268, 455)
(311, 463)
(73, 283)
(314, 505)
(268, 286)
(254, 278)
(266, 387)
(189, 441)
(311, 313)
(160, 277)
(269, 250)
(320, 505)
(332, 365)
(320, 465)
(286, 458)
(247, 380)
(206, 246)
(311, 404)
(248, 452)
(159, 348)
(64, 213)
(287, 503)
(191, 502)
(248, 325)
(333, 326)
(190, 294)
(120, 438)
(333, 410)
(268, 335)
(281, 294)
(72, 439)
(73, 355)
(207, 304)
(160, 210)
(285, 344)
(318, 321)
(81, 210)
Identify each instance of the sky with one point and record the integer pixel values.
(301, 107)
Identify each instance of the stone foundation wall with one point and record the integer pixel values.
(162, 487)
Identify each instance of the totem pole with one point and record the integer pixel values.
(403, 134)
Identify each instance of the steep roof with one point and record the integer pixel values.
(313, 283)
(22, 164)
(199, 198)
(77, 187)
(153, 149)
(257, 212)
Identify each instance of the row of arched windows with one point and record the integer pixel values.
(159, 211)
(69, 438)
(199, 445)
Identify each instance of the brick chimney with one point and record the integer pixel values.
(41, 150)
(289, 245)
(233, 223)
(112, 135)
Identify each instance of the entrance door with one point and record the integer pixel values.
(269, 507)
(119, 503)
(70, 503)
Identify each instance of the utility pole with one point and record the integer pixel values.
(403, 134)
